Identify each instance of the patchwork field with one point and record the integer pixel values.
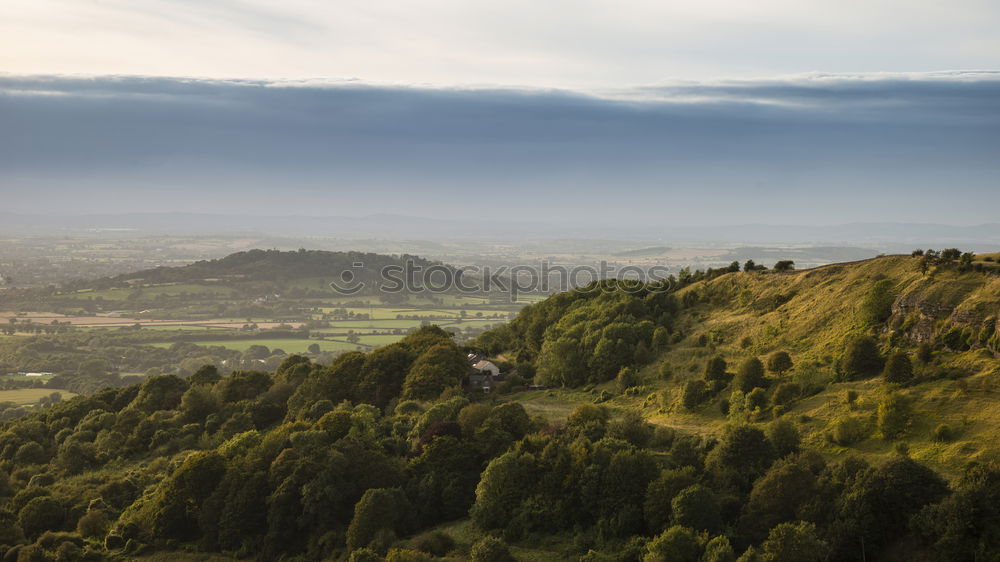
(24, 396)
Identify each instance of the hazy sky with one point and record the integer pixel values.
(708, 111)
(544, 43)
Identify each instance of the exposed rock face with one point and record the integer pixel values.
(917, 317)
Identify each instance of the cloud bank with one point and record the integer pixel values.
(802, 149)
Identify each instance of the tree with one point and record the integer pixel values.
(42, 513)
(660, 494)
(898, 368)
(784, 492)
(661, 338)
(784, 437)
(750, 375)
(160, 392)
(876, 307)
(697, 507)
(784, 265)
(795, 542)
(313, 348)
(379, 509)
(676, 544)
(881, 502)
(786, 393)
(626, 379)
(206, 374)
(560, 363)
(438, 368)
(861, 359)
(743, 454)
(490, 549)
(894, 413)
(925, 353)
(694, 393)
(749, 266)
(715, 369)
(719, 549)
(93, 367)
(779, 362)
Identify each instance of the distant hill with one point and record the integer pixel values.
(644, 252)
(275, 265)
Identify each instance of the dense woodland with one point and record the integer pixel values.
(373, 455)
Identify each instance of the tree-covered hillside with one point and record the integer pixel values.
(836, 414)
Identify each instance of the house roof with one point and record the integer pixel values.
(482, 365)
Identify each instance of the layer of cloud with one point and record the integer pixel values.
(870, 147)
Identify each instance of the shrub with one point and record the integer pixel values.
(40, 514)
(943, 433)
(665, 371)
(626, 379)
(779, 362)
(715, 369)
(490, 549)
(898, 369)
(694, 393)
(861, 359)
(676, 544)
(784, 437)
(877, 304)
(696, 507)
(847, 430)
(756, 400)
(94, 524)
(894, 415)
(434, 542)
(925, 353)
(795, 542)
(750, 375)
(786, 393)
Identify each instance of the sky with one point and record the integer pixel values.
(680, 113)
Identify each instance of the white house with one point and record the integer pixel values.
(487, 366)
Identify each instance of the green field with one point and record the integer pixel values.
(291, 345)
(24, 396)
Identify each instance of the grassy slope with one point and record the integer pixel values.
(821, 312)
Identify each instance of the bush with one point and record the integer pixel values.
(925, 353)
(877, 304)
(696, 507)
(676, 544)
(898, 369)
(756, 400)
(694, 393)
(490, 549)
(434, 542)
(944, 433)
(795, 542)
(847, 430)
(750, 375)
(626, 379)
(94, 524)
(894, 415)
(784, 437)
(40, 514)
(786, 393)
(861, 359)
(779, 362)
(665, 371)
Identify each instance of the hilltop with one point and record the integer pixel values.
(941, 316)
